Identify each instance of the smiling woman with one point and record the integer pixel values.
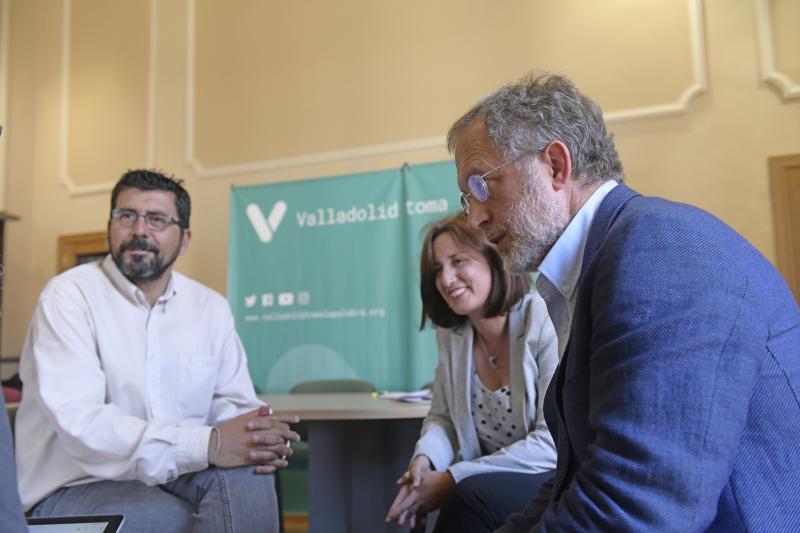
(463, 277)
(497, 353)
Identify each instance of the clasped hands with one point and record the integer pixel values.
(422, 490)
(258, 438)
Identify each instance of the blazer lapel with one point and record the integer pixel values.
(461, 352)
(609, 208)
(554, 411)
(605, 216)
(516, 352)
(606, 213)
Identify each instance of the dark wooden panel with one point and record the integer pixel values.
(80, 248)
(784, 178)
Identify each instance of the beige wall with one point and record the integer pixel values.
(245, 91)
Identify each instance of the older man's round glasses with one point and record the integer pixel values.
(126, 218)
(476, 184)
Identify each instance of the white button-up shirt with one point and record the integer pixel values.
(561, 267)
(115, 389)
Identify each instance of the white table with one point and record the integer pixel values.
(358, 446)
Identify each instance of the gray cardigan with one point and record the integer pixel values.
(448, 428)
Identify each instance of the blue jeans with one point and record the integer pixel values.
(11, 519)
(215, 500)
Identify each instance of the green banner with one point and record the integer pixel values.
(323, 276)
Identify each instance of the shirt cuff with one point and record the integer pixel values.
(458, 471)
(192, 451)
(439, 461)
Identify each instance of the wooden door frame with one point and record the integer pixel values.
(71, 248)
(784, 185)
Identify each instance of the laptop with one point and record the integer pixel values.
(77, 524)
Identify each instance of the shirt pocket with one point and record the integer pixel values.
(197, 378)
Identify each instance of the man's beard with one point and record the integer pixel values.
(533, 225)
(143, 268)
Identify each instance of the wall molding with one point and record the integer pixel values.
(697, 86)
(63, 176)
(202, 172)
(787, 87)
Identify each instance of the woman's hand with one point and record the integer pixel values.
(406, 502)
(421, 491)
(433, 490)
(416, 469)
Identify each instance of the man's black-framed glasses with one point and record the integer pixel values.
(126, 218)
(476, 184)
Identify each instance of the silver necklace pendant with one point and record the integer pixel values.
(491, 357)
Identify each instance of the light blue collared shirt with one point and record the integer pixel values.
(561, 267)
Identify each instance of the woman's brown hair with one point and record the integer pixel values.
(507, 288)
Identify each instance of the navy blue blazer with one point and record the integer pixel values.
(676, 406)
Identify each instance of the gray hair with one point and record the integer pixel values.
(524, 117)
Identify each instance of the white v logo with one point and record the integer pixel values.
(266, 227)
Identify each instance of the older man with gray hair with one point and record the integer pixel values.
(675, 405)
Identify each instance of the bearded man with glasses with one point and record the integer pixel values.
(137, 399)
(675, 404)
